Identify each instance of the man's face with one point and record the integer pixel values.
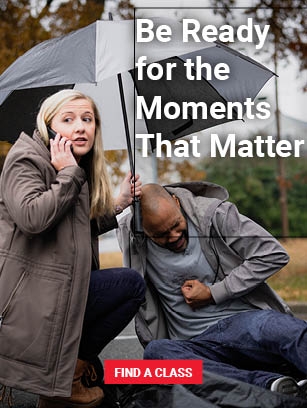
(168, 228)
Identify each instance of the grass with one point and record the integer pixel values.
(290, 283)
(111, 260)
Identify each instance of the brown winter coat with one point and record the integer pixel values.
(47, 249)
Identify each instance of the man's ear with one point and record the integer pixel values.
(176, 200)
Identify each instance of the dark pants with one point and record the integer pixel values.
(255, 347)
(114, 297)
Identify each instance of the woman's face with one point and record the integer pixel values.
(76, 121)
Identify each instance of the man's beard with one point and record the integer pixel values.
(172, 246)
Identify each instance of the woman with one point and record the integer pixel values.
(55, 200)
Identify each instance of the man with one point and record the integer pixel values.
(205, 265)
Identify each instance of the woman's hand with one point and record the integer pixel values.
(61, 154)
(129, 188)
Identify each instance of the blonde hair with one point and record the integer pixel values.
(101, 197)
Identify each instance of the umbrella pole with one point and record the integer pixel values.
(137, 224)
(127, 132)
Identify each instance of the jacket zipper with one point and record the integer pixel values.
(7, 305)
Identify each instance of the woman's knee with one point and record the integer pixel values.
(137, 282)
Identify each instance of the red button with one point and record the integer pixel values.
(153, 372)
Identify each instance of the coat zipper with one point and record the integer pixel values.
(6, 307)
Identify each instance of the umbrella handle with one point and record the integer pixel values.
(137, 219)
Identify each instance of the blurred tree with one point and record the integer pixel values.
(287, 20)
(126, 9)
(71, 15)
(251, 183)
(25, 23)
(115, 158)
(169, 169)
(288, 29)
(19, 30)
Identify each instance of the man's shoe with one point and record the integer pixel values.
(302, 388)
(286, 385)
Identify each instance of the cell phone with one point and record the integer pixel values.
(51, 133)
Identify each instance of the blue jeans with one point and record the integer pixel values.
(114, 297)
(255, 347)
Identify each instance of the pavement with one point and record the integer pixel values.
(127, 346)
(299, 309)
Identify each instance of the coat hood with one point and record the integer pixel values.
(199, 199)
(26, 145)
(202, 189)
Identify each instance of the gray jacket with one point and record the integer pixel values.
(242, 253)
(47, 249)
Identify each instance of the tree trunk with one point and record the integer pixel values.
(282, 183)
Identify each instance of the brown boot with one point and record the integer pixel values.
(81, 396)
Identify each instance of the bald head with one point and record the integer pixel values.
(162, 218)
(153, 198)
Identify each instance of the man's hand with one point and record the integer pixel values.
(196, 294)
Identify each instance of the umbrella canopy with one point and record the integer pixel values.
(90, 60)
(86, 56)
(246, 78)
